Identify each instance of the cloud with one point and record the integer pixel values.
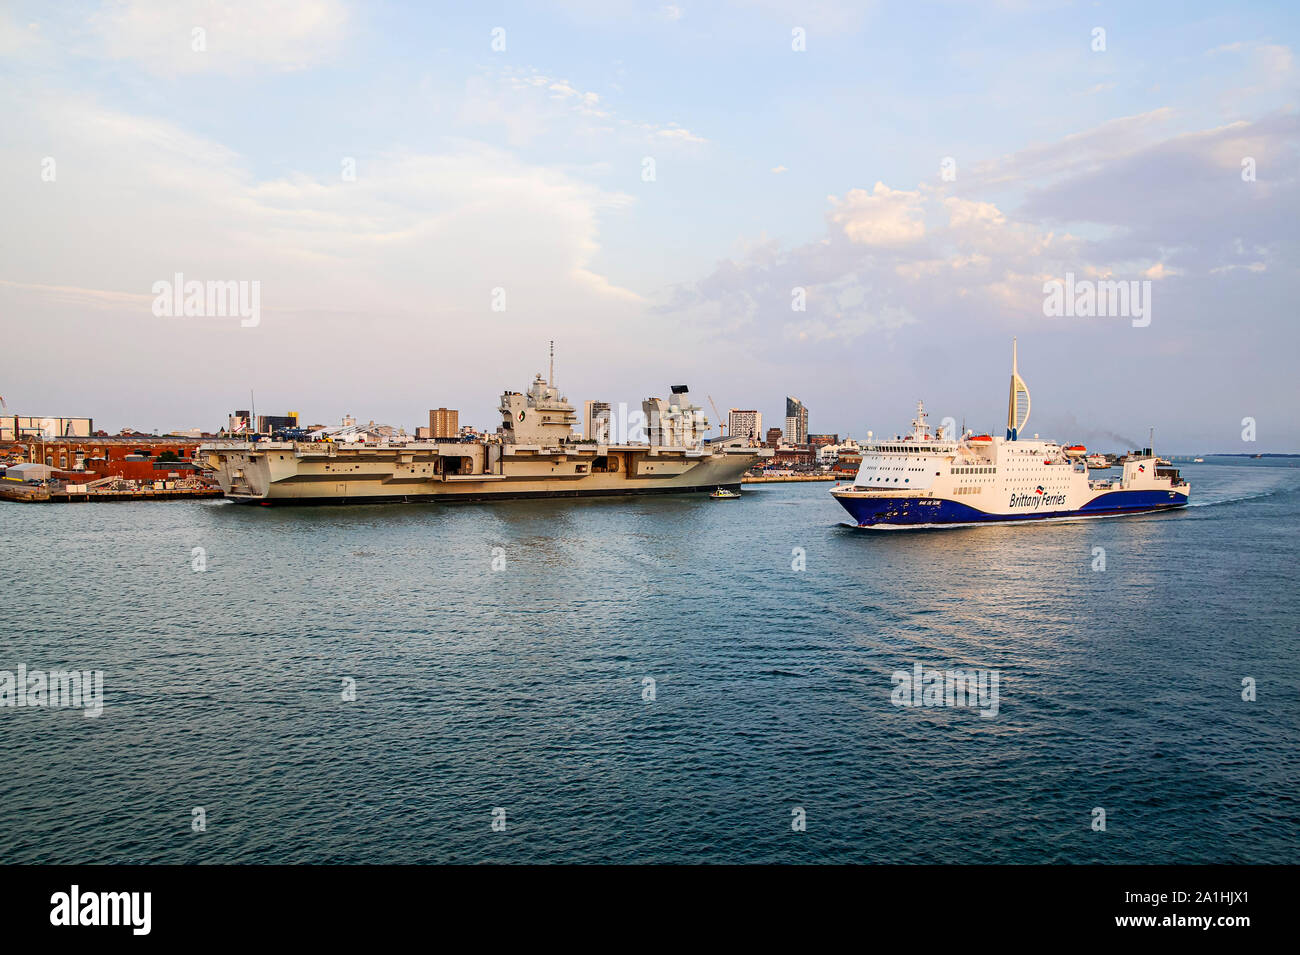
(882, 217)
(678, 134)
(169, 37)
(1271, 65)
(529, 105)
(1071, 154)
(1183, 200)
(923, 258)
(18, 39)
(400, 263)
(828, 16)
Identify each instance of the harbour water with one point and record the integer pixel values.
(500, 655)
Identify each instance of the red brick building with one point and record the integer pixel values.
(133, 457)
(790, 457)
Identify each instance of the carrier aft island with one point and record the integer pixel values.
(536, 455)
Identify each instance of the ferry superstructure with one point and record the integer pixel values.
(934, 478)
(536, 455)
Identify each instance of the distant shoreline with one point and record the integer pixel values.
(784, 478)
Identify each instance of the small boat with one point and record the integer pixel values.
(722, 494)
(1198, 460)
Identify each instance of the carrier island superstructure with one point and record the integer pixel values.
(536, 454)
(936, 478)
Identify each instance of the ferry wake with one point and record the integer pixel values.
(925, 478)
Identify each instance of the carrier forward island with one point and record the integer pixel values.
(934, 478)
(537, 455)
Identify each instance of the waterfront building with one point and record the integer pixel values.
(747, 424)
(793, 457)
(18, 427)
(828, 454)
(270, 423)
(596, 415)
(444, 423)
(133, 457)
(796, 421)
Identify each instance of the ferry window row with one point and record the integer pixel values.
(974, 470)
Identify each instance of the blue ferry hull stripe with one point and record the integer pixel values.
(922, 510)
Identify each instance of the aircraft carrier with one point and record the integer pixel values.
(536, 454)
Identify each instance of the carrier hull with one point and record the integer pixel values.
(287, 474)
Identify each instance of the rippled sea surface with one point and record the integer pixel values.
(522, 688)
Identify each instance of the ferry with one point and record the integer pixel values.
(933, 478)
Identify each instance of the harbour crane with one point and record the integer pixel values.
(718, 415)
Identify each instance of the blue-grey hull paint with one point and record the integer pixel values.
(920, 510)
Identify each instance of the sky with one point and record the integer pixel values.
(859, 204)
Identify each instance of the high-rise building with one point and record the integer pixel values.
(596, 420)
(444, 423)
(745, 424)
(270, 423)
(796, 421)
